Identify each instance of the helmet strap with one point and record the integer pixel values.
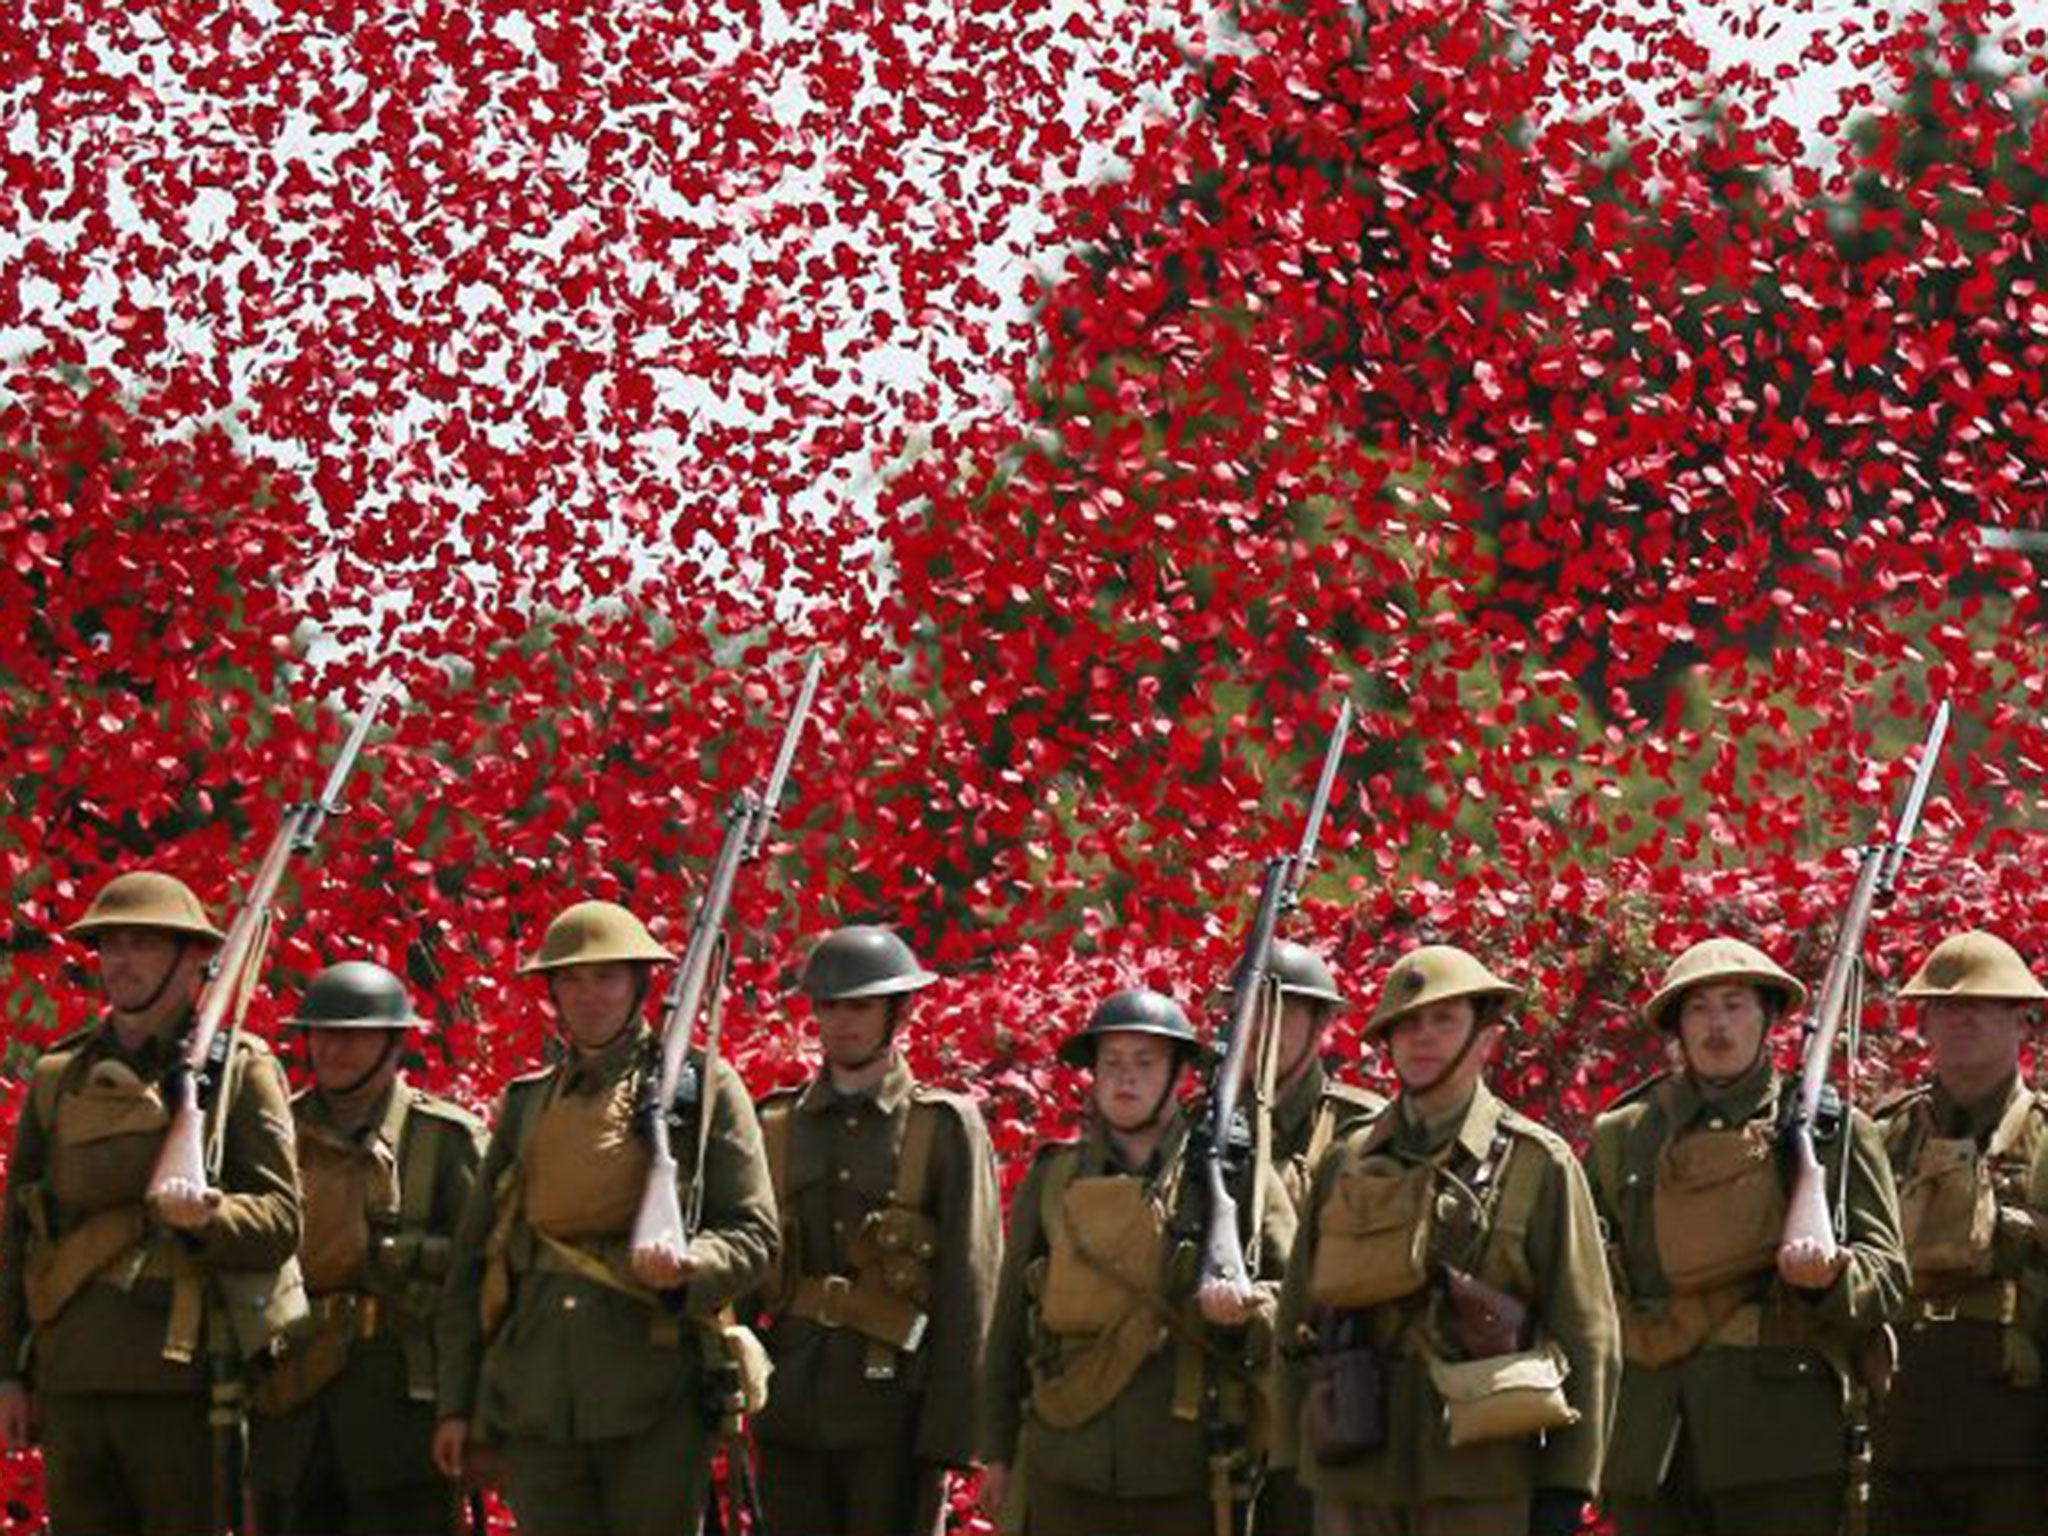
(391, 1043)
(1450, 1068)
(148, 1005)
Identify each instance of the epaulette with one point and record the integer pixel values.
(1359, 1098)
(1638, 1094)
(1900, 1102)
(438, 1108)
(961, 1104)
(1533, 1130)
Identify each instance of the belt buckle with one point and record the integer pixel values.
(836, 1288)
(1939, 1309)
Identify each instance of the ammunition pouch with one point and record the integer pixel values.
(1374, 1232)
(263, 1308)
(1948, 1212)
(1108, 1253)
(1718, 1206)
(897, 1246)
(1503, 1397)
(1346, 1404)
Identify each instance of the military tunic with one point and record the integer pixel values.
(1733, 1401)
(858, 1432)
(1310, 1115)
(1140, 1463)
(342, 1437)
(1417, 1480)
(1962, 1442)
(598, 1391)
(124, 1427)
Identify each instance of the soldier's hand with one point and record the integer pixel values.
(17, 1416)
(451, 1447)
(1226, 1303)
(185, 1206)
(995, 1482)
(1812, 1264)
(662, 1266)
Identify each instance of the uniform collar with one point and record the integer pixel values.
(589, 1074)
(381, 1124)
(150, 1059)
(1979, 1118)
(1752, 1094)
(1471, 1128)
(1296, 1103)
(1098, 1154)
(889, 1095)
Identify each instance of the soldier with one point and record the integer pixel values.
(1448, 1337)
(1310, 1113)
(1962, 1444)
(1112, 1395)
(891, 1226)
(105, 1297)
(341, 1438)
(597, 1376)
(1740, 1347)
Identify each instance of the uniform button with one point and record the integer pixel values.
(838, 1226)
(852, 1124)
(568, 1303)
(846, 1175)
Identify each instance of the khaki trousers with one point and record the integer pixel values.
(126, 1463)
(1450, 1518)
(650, 1484)
(1968, 1501)
(866, 1490)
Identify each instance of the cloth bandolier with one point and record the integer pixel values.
(340, 1441)
(1502, 1200)
(891, 1229)
(1962, 1442)
(1736, 1393)
(108, 1316)
(1106, 1390)
(604, 1398)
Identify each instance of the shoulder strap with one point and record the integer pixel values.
(422, 1157)
(1322, 1130)
(2012, 1125)
(775, 1131)
(1052, 1194)
(914, 1163)
(1520, 1186)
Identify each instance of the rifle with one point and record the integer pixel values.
(662, 1223)
(194, 1084)
(1809, 1215)
(1223, 1254)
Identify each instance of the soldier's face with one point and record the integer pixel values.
(1973, 1038)
(134, 962)
(1720, 1029)
(595, 1001)
(344, 1059)
(851, 1030)
(1424, 1043)
(1132, 1072)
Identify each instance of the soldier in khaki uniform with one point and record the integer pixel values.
(891, 1230)
(1740, 1348)
(598, 1379)
(1311, 1112)
(341, 1438)
(1106, 1378)
(1962, 1444)
(1415, 1401)
(108, 1303)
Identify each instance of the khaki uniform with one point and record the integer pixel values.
(1099, 1378)
(1500, 1197)
(341, 1438)
(1309, 1116)
(1962, 1443)
(111, 1318)
(1734, 1399)
(891, 1233)
(600, 1393)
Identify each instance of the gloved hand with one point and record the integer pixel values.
(1556, 1512)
